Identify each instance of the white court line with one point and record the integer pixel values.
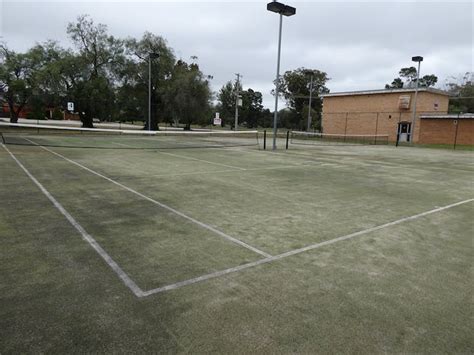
(171, 209)
(298, 251)
(190, 158)
(202, 160)
(86, 236)
(227, 171)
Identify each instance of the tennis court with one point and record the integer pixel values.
(226, 247)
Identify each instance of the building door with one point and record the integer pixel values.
(404, 129)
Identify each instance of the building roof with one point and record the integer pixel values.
(453, 116)
(386, 91)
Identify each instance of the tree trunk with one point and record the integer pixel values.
(13, 114)
(86, 120)
(13, 117)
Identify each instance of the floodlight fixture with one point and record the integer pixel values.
(281, 9)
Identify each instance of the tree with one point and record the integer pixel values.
(188, 95)
(428, 80)
(227, 100)
(98, 53)
(397, 83)
(407, 78)
(18, 78)
(251, 111)
(133, 74)
(295, 86)
(462, 92)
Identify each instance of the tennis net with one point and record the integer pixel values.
(298, 137)
(72, 137)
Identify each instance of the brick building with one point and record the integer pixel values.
(390, 112)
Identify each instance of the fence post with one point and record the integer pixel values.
(456, 132)
(264, 139)
(287, 138)
(345, 127)
(376, 128)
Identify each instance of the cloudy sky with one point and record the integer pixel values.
(361, 45)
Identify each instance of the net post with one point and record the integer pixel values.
(264, 139)
(287, 138)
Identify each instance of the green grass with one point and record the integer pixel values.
(404, 288)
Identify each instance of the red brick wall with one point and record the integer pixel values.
(442, 131)
(384, 123)
(368, 114)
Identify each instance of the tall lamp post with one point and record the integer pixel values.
(417, 59)
(282, 10)
(309, 106)
(151, 56)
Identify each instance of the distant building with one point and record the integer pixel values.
(48, 113)
(390, 112)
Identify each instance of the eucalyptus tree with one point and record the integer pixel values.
(98, 53)
(188, 95)
(134, 75)
(295, 87)
(19, 78)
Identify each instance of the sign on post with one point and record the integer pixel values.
(70, 106)
(217, 120)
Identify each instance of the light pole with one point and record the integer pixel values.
(310, 97)
(151, 56)
(417, 59)
(282, 10)
(237, 97)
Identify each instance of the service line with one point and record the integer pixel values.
(171, 209)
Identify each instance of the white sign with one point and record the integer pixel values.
(70, 106)
(217, 120)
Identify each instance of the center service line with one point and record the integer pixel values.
(298, 251)
(171, 209)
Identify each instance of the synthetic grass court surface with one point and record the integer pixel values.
(405, 287)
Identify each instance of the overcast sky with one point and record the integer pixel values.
(361, 45)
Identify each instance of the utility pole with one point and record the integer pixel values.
(236, 124)
(149, 91)
(151, 56)
(310, 97)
